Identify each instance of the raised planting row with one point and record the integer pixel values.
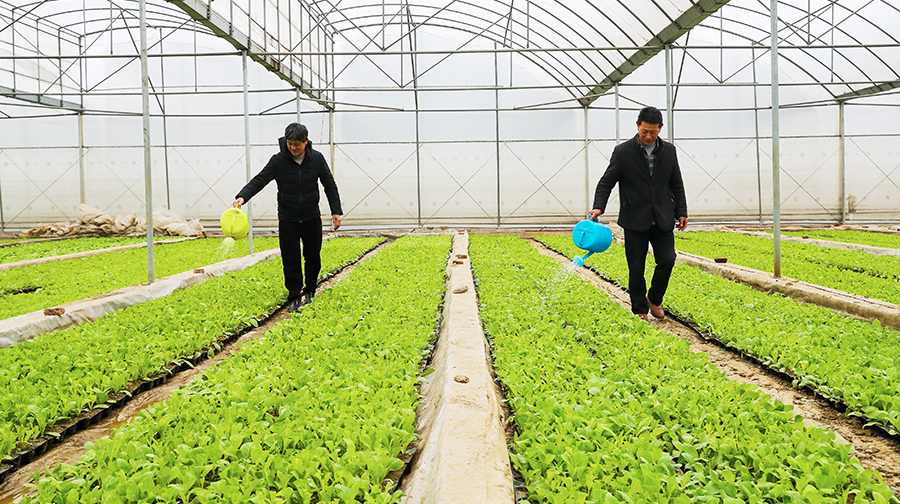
(317, 411)
(610, 409)
(846, 270)
(872, 239)
(39, 250)
(58, 376)
(854, 362)
(24, 290)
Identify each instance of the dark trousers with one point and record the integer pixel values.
(636, 246)
(290, 234)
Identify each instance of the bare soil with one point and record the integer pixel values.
(874, 448)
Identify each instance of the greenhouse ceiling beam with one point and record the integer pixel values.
(869, 91)
(40, 99)
(203, 12)
(668, 35)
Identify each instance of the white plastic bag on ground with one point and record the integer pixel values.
(95, 222)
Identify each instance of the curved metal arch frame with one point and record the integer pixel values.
(453, 24)
(760, 43)
(570, 70)
(513, 22)
(534, 57)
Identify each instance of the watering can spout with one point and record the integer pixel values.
(579, 260)
(590, 236)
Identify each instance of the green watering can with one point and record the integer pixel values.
(234, 223)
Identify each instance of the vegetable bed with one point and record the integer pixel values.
(612, 410)
(850, 236)
(854, 362)
(317, 411)
(846, 270)
(28, 251)
(32, 288)
(56, 377)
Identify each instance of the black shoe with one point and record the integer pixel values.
(306, 298)
(295, 304)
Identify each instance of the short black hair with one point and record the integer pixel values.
(296, 131)
(650, 115)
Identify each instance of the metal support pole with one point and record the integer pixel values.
(81, 177)
(618, 125)
(413, 46)
(756, 129)
(162, 82)
(776, 147)
(2, 217)
(497, 124)
(670, 114)
(587, 180)
(418, 164)
(247, 144)
(842, 163)
(331, 146)
(298, 109)
(145, 102)
(618, 119)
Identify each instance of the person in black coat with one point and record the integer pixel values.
(651, 202)
(297, 169)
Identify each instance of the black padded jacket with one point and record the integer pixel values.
(298, 188)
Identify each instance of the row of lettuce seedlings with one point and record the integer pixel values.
(29, 289)
(852, 271)
(318, 410)
(610, 409)
(67, 380)
(510, 268)
(852, 362)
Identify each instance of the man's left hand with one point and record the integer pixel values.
(682, 223)
(335, 221)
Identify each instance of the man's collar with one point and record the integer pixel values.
(656, 145)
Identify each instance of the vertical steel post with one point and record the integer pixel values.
(298, 107)
(81, 175)
(776, 147)
(618, 122)
(418, 160)
(842, 163)
(414, 64)
(587, 180)
(2, 217)
(82, 181)
(618, 125)
(331, 138)
(162, 83)
(145, 102)
(670, 114)
(247, 144)
(756, 129)
(497, 124)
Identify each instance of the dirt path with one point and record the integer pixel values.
(69, 451)
(874, 449)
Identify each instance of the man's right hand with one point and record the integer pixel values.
(238, 202)
(595, 213)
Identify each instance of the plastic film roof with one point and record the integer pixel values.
(849, 48)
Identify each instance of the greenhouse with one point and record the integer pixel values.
(471, 191)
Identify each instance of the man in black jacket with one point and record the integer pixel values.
(297, 169)
(651, 201)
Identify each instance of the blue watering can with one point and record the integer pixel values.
(591, 236)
